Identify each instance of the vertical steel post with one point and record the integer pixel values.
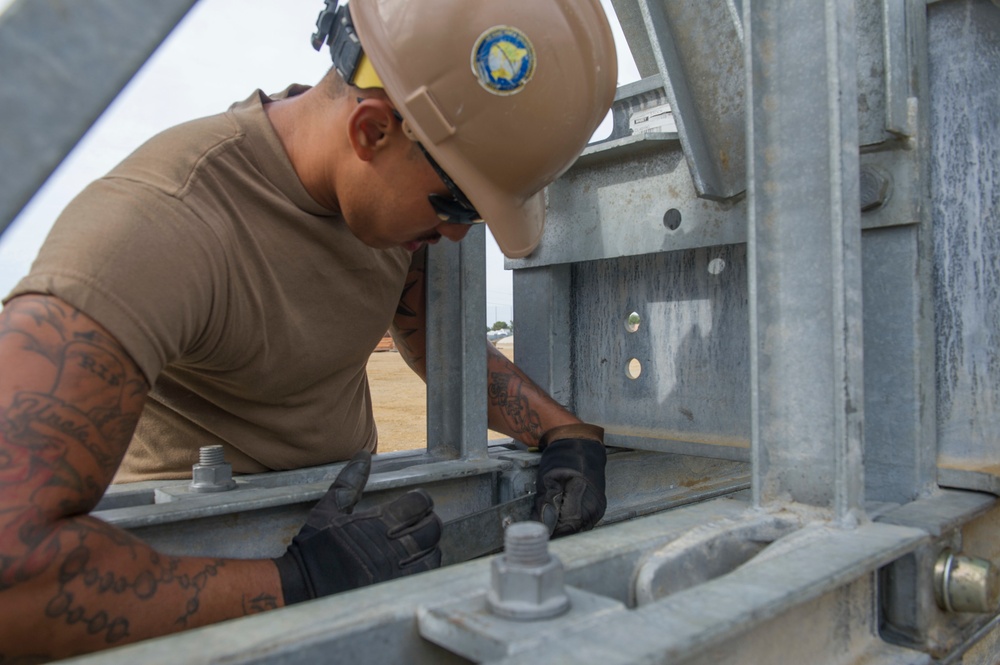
(804, 238)
(965, 194)
(456, 347)
(542, 299)
(897, 265)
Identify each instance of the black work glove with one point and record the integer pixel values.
(570, 488)
(338, 550)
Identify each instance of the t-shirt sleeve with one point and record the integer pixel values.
(142, 264)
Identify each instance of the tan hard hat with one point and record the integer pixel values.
(503, 95)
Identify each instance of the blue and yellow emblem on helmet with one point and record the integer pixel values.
(503, 60)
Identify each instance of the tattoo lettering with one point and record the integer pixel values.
(33, 420)
(102, 371)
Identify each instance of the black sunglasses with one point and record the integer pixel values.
(454, 209)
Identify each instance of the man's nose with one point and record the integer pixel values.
(453, 232)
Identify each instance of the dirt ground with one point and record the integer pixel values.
(399, 400)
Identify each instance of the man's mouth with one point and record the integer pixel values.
(414, 245)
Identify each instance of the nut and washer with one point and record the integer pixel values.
(212, 473)
(527, 581)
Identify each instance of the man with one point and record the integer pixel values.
(226, 284)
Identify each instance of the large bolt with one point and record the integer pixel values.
(212, 473)
(966, 584)
(527, 581)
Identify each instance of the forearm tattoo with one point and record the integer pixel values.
(82, 575)
(260, 603)
(507, 393)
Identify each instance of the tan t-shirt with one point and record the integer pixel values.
(250, 308)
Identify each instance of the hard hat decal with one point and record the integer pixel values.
(503, 60)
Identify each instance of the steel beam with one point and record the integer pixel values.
(903, 44)
(633, 26)
(259, 516)
(804, 255)
(900, 446)
(456, 348)
(676, 380)
(257, 522)
(64, 61)
(965, 190)
(542, 304)
(817, 589)
(632, 194)
(698, 50)
(817, 581)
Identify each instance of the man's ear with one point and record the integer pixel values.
(368, 127)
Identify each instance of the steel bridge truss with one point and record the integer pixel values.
(781, 305)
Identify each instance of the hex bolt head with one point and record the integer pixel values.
(966, 584)
(875, 187)
(526, 582)
(212, 473)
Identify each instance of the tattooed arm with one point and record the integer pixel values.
(69, 400)
(517, 407)
(409, 325)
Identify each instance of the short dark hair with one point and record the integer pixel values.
(332, 84)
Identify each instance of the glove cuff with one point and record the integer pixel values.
(574, 431)
(294, 582)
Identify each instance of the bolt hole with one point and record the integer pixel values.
(716, 266)
(672, 219)
(632, 322)
(634, 368)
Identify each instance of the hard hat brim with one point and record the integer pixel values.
(517, 228)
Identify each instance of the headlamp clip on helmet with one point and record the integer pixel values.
(335, 24)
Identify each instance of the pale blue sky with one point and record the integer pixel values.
(220, 53)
